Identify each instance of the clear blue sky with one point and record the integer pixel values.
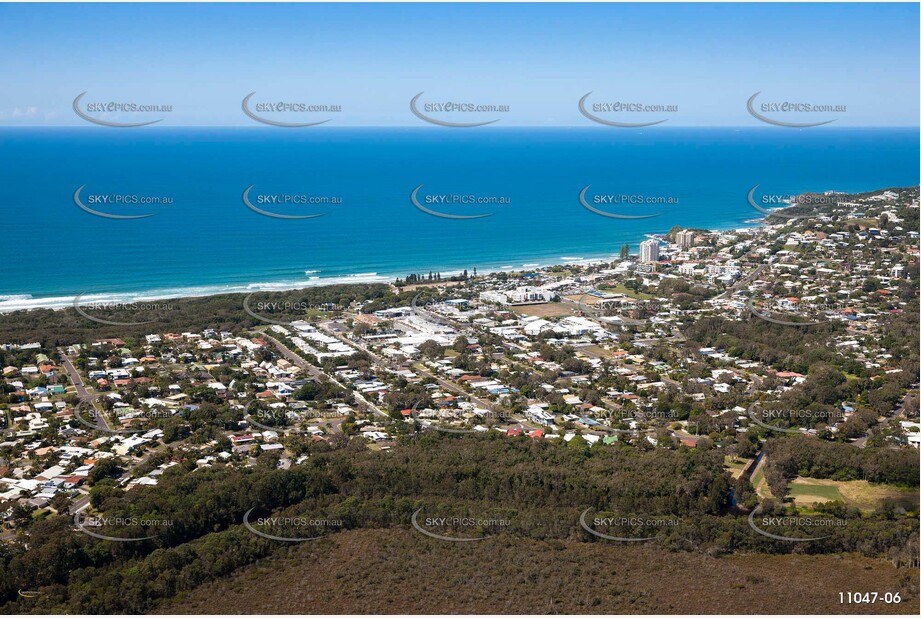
(539, 59)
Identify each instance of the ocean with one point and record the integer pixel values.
(203, 238)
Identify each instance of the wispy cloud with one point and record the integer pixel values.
(20, 112)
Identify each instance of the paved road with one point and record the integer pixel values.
(743, 281)
(446, 384)
(316, 373)
(83, 501)
(74, 376)
(759, 465)
(295, 358)
(454, 388)
(83, 394)
(451, 386)
(442, 319)
(80, 503)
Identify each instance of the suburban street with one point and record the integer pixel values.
(317, 374)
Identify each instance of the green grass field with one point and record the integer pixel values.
(758, 482)
(620, 289)
(807, 491)
(858, 494)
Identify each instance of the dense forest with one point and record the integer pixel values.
(799, 455)
(538, 487)
(52, 327)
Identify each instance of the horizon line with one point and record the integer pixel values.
(421, 126)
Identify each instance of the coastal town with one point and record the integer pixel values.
(629, 352)
(460, 309)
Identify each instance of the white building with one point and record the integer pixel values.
(649, 251)
(527, 294)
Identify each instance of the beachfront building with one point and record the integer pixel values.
(649, 251)
(684, 239)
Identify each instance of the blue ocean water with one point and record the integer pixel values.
(207, 240)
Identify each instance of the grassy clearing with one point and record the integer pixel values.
(620, 289)
(862, 495)
(735, 465)
(430, 284)
(545, 310)
(586, 299)
(759, 483)
(810, 491)
(598, 351)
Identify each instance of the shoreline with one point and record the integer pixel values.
(24, 302)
